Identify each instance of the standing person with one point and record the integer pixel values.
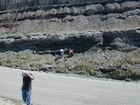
(27, 87)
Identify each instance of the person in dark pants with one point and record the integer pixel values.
(27, 87)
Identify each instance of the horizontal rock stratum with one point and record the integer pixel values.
(105, 39)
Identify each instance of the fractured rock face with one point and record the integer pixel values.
(39, 42)
(122, 39)
(81, 41)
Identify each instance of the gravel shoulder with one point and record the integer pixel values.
(7, 101)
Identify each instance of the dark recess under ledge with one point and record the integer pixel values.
(50, 47)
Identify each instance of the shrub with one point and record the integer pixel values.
(119, 74)
(35, 65)
(95, 73)
(135, 74)
(86, 67)
(125, 75)
(62, 70)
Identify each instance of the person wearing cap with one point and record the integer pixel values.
(27, 87)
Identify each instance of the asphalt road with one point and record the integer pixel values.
(51, 89)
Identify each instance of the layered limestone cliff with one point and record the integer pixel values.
(105, 40)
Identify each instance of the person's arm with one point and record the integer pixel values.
(30, 76)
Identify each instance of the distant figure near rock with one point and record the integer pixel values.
(61, 53)
(71, 52)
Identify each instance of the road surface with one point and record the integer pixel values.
(52, 89)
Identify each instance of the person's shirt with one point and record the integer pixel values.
(72, 52)
(27, 83)
(61, 50)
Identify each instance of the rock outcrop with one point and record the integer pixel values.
(105, 39)
(82, 41)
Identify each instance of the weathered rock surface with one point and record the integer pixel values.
(104, 38)
(86, 40)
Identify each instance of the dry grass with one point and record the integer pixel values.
(62, 70)
(125, 75)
